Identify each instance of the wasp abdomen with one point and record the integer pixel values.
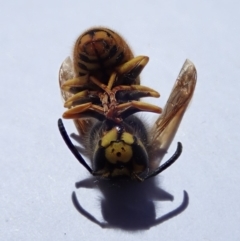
(99, 49)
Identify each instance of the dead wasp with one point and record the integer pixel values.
(101, 88)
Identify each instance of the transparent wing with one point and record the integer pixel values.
(167, 124)
(66, 72)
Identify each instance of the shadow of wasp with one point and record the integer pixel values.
(129, 205)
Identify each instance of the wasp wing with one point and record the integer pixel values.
(167, 124)
(66, 72)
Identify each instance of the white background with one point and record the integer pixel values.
(38, 173)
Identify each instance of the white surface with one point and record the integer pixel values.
(38, 172)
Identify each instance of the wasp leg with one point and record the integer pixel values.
(106, 88)
(122, 111)
(126, 93)
(167, 164)
(107, 96)
(75, 85)
(71, 147)
(82, 97)
(129, 71)
(75, 110)
(79, 110)
(148, 92)
(136, 106)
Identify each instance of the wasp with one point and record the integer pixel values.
(101, 89)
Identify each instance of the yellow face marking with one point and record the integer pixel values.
(118, 152)
(127, 138)
(109, 137)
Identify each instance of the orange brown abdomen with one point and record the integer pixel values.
(97, 51)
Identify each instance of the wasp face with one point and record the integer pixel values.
(101, 89)
(119, 150)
